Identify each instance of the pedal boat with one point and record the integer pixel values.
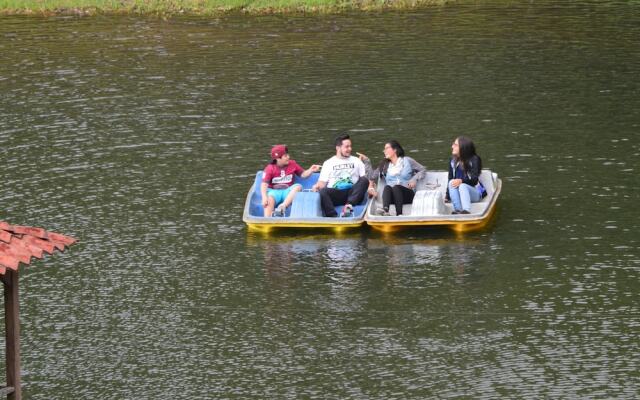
(429, 208)
(304, 212)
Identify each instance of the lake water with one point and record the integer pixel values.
(141, 137)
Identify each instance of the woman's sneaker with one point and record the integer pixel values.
(347, 211)
(382, 211)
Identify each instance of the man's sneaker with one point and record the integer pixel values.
(382, 212)
(347, 211)
(280, 211)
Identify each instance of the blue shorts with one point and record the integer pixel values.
(280, 194)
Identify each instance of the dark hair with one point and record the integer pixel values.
(341, 138)
(467, 150)
(384, 164)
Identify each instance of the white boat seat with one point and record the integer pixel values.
(428, 203)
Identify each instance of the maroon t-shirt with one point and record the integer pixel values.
(281, 178)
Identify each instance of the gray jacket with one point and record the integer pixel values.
(418, 171)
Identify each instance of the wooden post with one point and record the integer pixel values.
(12, 332)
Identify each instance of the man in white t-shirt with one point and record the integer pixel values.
(342, 180)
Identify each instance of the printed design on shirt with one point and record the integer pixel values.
(339, 167)
(342, 175)
(282, 181)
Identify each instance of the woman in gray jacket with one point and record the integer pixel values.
(401, 175)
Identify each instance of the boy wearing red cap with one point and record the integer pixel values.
(277, 186)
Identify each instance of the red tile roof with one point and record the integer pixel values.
(19, 243)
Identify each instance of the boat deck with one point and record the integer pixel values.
(304, 212)
(427, 209)
(423, 211)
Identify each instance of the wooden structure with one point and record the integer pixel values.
(19, 244)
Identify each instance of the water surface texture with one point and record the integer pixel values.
(141, 138)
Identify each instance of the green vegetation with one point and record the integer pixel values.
(200, 7)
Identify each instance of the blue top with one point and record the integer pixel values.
(458, 172)
(411, 171)
(401, 177)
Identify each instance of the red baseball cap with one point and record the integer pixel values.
(278, 151)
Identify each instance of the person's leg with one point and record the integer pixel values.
(326, 203)
(271, 202)
(401, 195)
(397, 198)
(358, 191)
(387, 197)
(468, 195)
(291, 194)
(454, 195)
(329, 199)
(409, 194)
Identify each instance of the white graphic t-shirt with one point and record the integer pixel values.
(341, 173)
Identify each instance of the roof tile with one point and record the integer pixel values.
(39, 243)
(18, 244)
(28, 230)
(5, 236)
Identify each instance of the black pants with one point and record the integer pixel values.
(397, 194)
(330, 198)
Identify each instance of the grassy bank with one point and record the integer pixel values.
(201, 7)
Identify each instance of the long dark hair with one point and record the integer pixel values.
(467, 150)
(384, 164)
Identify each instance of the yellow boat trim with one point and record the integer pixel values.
(456, 225)
(266, 227)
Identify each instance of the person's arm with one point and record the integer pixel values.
(311, 170)
(373, 176)
(449, 178)
(372, 188)
(420, 172)
(370, 173)
(318, 186)
(366, 162)
(364, 167)
(472, 174)
(455, 182)
(451, 172)
(263, 192)
(323, 178)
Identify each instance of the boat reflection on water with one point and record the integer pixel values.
(283, 252)
(367, 272)
(347, 252)
(319, 272)
(404, 253)
(344, 253)
(409, 257)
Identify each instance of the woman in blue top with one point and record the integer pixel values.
(465, 166)
(401, 174)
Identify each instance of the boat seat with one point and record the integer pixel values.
(306, 205)
(428, 203)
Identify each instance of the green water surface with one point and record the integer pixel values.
(141, 138)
